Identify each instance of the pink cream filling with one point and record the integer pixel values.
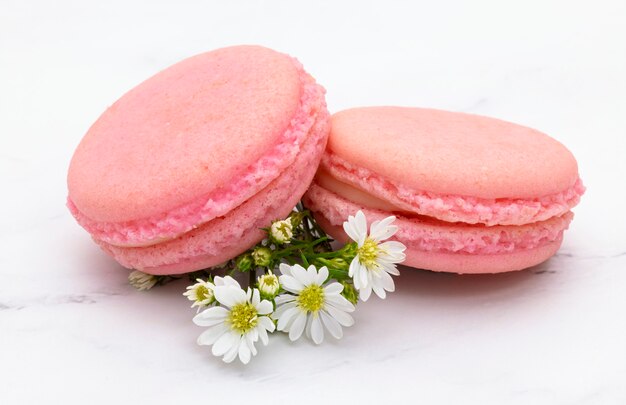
(170, 224)
(432, 235)
(454, 208)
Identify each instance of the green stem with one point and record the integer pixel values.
(298, 246)
(327, 255)
(338, 275)
(304, 260)
(252, 277)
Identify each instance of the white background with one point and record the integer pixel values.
(72, 331)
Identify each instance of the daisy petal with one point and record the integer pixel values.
(364, 293)
(317, 332)
(350, 229)
(321, 276)
(229, 295)
(296, 329)
(378, 290)
(290, 284)
(285, 269)
(387, 282)
(342, 317)
(210, 336)
(389, 267)
(362, 275)
(283, 298)
(356, 277)
(265, 307)
(286, 317)
(307, 329)
(393, 249)
(250, 343)
(225, 343)
(302, 275)
(333, 288)
(263, 334)
(266, 323)
(227, 280)
(256, 297)
(340, 302)
(231, 354)
(360, 222)
(381, 230)
(244, 353)
(354, 266)
(282, 309)
(331, 325)
(211, 316)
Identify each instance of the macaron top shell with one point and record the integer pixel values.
(451, 153)
(192, 143)
(186, 131)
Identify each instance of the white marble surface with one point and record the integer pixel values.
(73, 332)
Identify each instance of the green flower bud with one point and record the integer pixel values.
(296, 218)
(349, 251)
(244, 262)
(262, 256)
(339, 264)
(281, 232)
(349, 292)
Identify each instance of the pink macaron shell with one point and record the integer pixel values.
(154, 182)
(452, 208)
(225, 237)
(463, 263)
(452, 166)
(451, 153)
(433, 238)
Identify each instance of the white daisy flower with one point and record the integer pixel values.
(200, 293)
(374, 262)
(268, 285)
(311, 304)
(235, 325)
(142, 281)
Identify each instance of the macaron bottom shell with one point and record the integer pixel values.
(449, 247)
(463, 263)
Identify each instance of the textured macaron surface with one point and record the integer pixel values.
(453, 166)
(225, 237)
(445, 246)
(191, 143)
(453, 153)
(471, 194)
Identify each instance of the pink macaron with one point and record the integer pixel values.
(472, 194)
(182, 171)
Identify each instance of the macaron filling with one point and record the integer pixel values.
(432, 235)
(258, 175)
(452, 208)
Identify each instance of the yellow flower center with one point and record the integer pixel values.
(202, 293)
(311, 298)
(269, 280)
(243, 317)
(368, 253)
